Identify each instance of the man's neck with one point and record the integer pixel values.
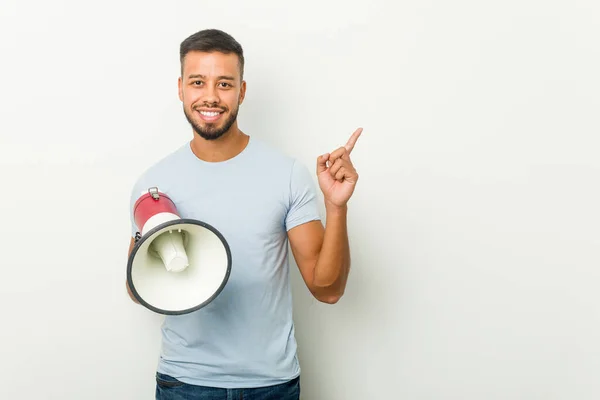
(224, 148)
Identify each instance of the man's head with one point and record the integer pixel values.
(211, 85)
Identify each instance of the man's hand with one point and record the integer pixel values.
(336, 174)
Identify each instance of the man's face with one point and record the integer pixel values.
(211, 90)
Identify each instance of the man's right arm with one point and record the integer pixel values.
(131, 244)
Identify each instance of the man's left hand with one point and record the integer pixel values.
(336, 174)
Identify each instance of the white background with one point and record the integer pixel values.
(475, 227)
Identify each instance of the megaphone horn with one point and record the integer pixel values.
(151, 210)
(177, 265)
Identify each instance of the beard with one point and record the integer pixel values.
(212, 131)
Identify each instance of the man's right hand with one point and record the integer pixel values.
(131, 245)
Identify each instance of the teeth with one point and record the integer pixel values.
(209, 114)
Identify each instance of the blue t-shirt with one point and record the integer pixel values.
(245, 337)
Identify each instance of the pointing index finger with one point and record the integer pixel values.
(352, 141)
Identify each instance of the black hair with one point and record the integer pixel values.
(210, 40)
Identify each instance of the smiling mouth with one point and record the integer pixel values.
(210, 116)
(210, 113)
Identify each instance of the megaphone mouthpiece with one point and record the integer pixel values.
(169, 247)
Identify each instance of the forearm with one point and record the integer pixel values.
(333, 263)
(131, 296)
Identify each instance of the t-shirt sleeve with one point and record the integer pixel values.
(303, 198)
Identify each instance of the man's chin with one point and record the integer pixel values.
(210, 137)
(209, 130)
(210, 134)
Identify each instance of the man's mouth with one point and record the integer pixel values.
(210, 116)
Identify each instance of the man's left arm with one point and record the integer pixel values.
(323, 253)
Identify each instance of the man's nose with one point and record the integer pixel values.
(211, 95)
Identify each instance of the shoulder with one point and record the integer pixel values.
(267, 153)
(275, 163)
(160, 170)
(279, 166)
(174, 159)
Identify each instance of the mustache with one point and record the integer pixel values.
(209, 106)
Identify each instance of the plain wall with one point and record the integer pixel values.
(475, 225)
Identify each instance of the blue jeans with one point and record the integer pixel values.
(169, 388)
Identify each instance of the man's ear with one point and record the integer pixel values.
(180, 88)
(242, 92)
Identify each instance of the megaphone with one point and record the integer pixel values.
(177, 265)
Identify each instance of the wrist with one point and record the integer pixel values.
(335, 210)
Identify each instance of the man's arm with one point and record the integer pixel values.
(323, 255)
(131, 245)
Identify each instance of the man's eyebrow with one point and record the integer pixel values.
(226, 77)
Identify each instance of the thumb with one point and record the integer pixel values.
(322, 163)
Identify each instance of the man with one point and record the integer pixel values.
(242, 345)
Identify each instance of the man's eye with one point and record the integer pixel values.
(224, 84)
(197, 82)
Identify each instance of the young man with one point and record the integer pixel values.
(242, 343)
